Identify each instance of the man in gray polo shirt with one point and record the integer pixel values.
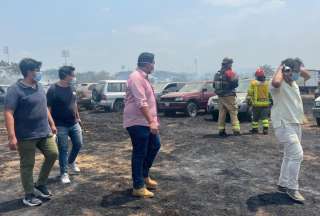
(30, 126)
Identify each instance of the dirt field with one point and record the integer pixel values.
(199, 173)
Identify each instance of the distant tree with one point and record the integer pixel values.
(92, 76)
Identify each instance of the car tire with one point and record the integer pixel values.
(318, 121)
(215, 115)
(106, 109)
(89, 107)
(192, 109)
(118, 106)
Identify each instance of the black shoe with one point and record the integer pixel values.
(265, 131)
(42, 191)
(254, 131)
(236, 133)
(31, 200)
(282, 189)
(223, 133)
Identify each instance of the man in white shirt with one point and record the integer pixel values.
(287, 117)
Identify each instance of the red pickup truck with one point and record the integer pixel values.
(190, 99)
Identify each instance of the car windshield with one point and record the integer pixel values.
(243, 86)
(191, 87)
(158, 87)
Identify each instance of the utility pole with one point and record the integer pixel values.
(65, 54)
(6, 52)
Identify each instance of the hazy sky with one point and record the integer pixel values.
(106, 34)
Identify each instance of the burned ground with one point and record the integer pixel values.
(199, 173)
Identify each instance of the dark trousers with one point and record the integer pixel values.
(145, 149)
(260, 114)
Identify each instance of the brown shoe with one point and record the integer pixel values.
(151, 184)
(142, 193)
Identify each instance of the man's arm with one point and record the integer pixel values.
(51, 122)
(277, 78)
(9, 121)
(305, 74)
(235, 82)
(78, 116)
(153, 125)
(138, 92)
(77, 113)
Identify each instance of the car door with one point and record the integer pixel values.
(116, 90)
(206, 94)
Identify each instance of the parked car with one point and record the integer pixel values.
(191, 98)
(84, 94)
(109, 94)
(244, 109)
(3, 91)
(163, 88)
(310, 85)
(317, 91)
(316, 110)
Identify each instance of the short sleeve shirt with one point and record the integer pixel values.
(287, 105)
(62, 101)
(29, 106)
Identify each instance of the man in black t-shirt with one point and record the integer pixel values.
(62, 103)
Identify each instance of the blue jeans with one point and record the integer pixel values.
(145, 149)
(75, 134)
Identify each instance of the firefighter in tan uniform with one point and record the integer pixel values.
(260, 100)
(225, 83)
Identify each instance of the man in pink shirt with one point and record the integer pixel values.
(141, 121)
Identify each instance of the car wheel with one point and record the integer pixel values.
(107, 109)
(192, 109)
(215, 115)
(89, 107)
(318, 121)
(118, 106)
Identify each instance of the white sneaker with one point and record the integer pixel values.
(65, 179)
(74, 168)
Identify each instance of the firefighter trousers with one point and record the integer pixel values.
(260, 114)
(229, 105)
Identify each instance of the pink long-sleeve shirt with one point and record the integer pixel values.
(139, 94)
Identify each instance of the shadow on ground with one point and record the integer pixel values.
(119, 200)
(269, 199)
